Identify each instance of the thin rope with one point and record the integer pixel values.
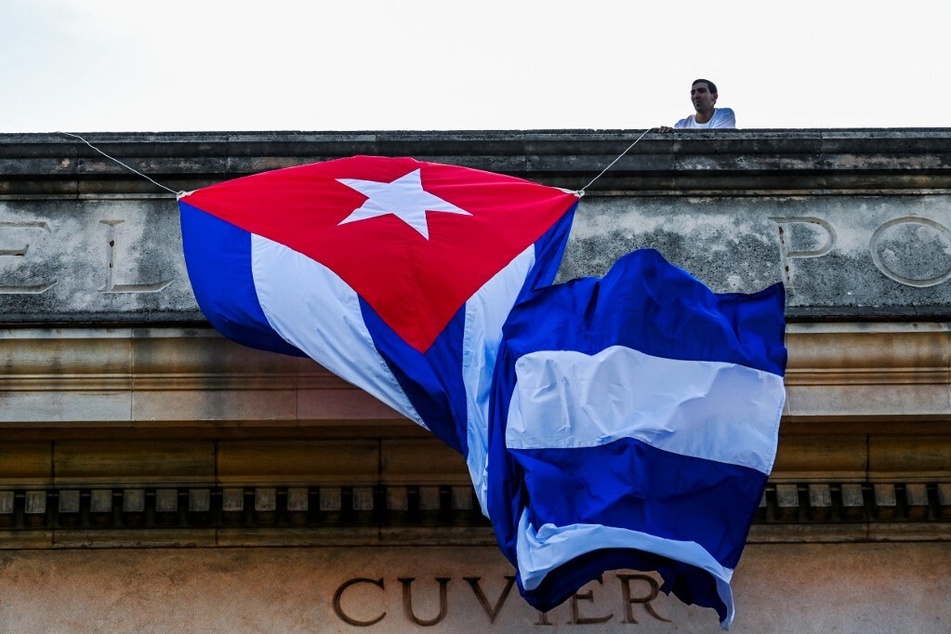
(611, 164)
(179, 194)
(131, 169)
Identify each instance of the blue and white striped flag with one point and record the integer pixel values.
(634, 424)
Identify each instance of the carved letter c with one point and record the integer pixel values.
(338, 610)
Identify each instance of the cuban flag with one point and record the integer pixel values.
(634, 424)
(392, 273)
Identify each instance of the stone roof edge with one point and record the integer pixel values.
(697, 160)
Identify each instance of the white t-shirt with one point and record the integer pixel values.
(722, 118)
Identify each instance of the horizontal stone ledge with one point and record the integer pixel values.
(35, 162)
(384, 458)
(893, 375)
(835, 141)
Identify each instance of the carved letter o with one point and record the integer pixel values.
(903, 279)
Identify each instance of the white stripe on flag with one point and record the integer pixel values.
(716, 411)
(540, 552)
(312, 308)
(486, 312)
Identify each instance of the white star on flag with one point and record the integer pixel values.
(405, 198)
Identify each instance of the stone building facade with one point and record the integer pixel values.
(154, 476)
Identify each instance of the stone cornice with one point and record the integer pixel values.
(174, 437)
(723, 160)
(866, 403)
(375, 514)
(852, 371)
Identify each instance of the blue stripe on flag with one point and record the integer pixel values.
(629, 484)
(432, 381)
(218, 259)
(655, 308)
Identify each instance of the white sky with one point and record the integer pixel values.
(179, 65)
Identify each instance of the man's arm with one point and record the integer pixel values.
(679, 125)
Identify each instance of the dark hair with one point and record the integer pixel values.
(710, 85)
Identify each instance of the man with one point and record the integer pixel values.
(703, 94)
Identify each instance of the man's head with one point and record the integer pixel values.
(703, 94)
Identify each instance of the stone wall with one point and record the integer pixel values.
(873, 588)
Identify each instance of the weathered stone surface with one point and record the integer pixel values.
(873, 588)
(837, 255)
(108, 260)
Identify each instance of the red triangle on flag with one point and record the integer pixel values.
(415, 263)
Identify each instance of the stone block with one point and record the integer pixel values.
(853, 501)
(787, 502)
(166, 500)
(916, 501)
(944, 500)
(397, 498)
(886, 502)
(265, 499)
(35, 503)
(330, 499)
(232, 500)
(69, 501)
(362, 498)
(462, 498)
(100, 501)
(820, 502)
(298, 499)
(133, 500)
(428, 498)
(199, 500)
(7, 501)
